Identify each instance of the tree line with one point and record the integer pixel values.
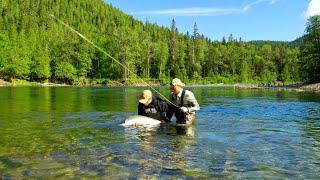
(33, 46)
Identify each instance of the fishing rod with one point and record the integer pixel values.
(107, 54)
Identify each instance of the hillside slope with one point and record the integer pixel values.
(34, 46)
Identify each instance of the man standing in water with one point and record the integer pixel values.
(186, 103)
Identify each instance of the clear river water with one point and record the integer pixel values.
(75, 132)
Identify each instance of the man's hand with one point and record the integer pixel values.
(184, 109)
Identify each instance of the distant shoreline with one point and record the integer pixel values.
(297, 88)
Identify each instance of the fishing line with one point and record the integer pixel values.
(107, 54)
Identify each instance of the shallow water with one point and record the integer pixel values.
(70, 132)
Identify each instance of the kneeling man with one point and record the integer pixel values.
(152, 106)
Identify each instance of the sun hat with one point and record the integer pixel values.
(145, 96)
(177, 82)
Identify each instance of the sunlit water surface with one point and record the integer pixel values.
(74, 132)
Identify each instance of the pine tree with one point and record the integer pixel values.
(172, 65)
(310, 51)
(34, 46)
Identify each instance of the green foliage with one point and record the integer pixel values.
(217, 79)
(161, 55)
(100, 81)
(310, 51)
(20, 82)
(268, 77)
(286, 76)
(35, 46)
(16, 60)
(244, 75)
(65, 71)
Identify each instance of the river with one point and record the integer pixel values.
(74, 132)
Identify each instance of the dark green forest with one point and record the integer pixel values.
(35, 47)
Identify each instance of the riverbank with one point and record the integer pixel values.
(93, 83)
(298, 88)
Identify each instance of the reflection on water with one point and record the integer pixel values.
(75, 133)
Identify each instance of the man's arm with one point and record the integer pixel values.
(141, 110)
(190, 102)
(162, 105)
(171, 109)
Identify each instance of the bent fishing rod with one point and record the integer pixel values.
(107, 54)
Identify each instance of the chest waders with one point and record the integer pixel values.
(181, 116)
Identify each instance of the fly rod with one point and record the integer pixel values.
(107, 54)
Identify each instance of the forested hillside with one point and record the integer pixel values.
(33, 46)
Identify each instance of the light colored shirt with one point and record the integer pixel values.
(189, 101)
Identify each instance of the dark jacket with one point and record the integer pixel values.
(156, 109)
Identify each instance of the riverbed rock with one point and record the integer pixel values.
(311, 87)
(53, 84)
(3, 83)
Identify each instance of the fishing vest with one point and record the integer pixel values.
(181, 116)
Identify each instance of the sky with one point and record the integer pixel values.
(279, 20)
